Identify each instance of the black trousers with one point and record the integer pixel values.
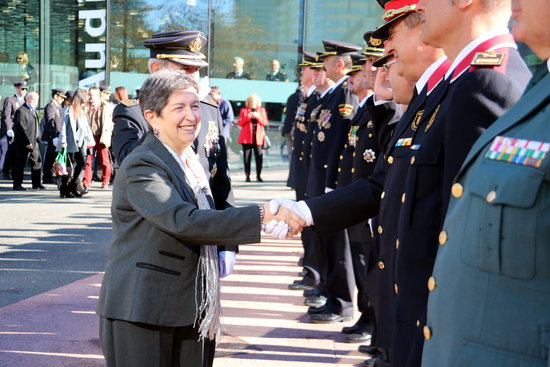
(133, 344)
(22, 156)
(9, 160)
(340, 283)
(49, 158)
(247, 157)
(78, 160)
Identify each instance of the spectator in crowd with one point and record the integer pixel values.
(225, 110)
(27, 71)
(11, 104)
(75, 136)
(276, 75)
(238, 70)
(100, 116)
(121, 94)
(252, 120)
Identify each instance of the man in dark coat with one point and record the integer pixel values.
(11, 104)
(53, 117)
(27, 137)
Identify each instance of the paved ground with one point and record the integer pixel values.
(52, 252)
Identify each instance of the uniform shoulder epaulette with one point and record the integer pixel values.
(488, 59)
(130, 102)
(210, 102)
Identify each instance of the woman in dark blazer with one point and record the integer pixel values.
(252, 120)
(159, 301)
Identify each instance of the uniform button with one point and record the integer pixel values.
(457, 190)
(427, 333)
(341, 157)
(390, 159)
(397, 244)
(310, 156)
(370, 135)
(431, 284)
(412, 160)
(345, 145)
(396, 288)
(325, 166)
(418, 323)
(403, 198)
(380, 230)
(301, 158)
(491, 196)
(353, 170)
(354, 154)
(381, 265)
(443, 238)
(339, 170)
(383, 195)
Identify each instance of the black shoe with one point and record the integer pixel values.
(302, 284)
(311, 292)
(315, 301)
(65, 194)
(377, 361)
(19, 188)
(316, 310)
(301, 261)
(369, 349)
(327, 317)
(247, 179)
(39, 187)
(358, 337)
(259, 179)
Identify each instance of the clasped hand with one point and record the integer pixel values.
(285, 218)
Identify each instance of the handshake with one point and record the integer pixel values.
(284, 218)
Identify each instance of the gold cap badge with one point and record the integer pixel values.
(196, 45)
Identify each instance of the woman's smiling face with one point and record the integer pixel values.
(179, 120)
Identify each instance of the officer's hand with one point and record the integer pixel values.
(28, 146)
(277, 230)
(9, 133)
(328, 189)
(300, 208)
(227, 262)
(382, 87)
(55, 141)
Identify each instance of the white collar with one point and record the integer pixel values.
(342, 80)
(471, 46)
(421, 83)
(326, 92)
(548, 64)
(310, 91)
(364, 100)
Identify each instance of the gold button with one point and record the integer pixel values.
(413, 160)
(431, 284)
(380, 230)
(396, 288)
(397, 244)
(491, 196)
(390, 159)
(300, 158)
(353, 170)
(443, 238)
(403, 198)
(354, 154)
(418, 323)
(427, 333)
(339, 170)
(457, 190)
(370, 135)
(325, 166)
(383, 195)
(381, 265)
(341, 157)
(303, 142)
(345, 145)
(310, 156)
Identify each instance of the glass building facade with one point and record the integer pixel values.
(72, 43)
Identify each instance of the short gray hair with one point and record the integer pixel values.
(155, 92)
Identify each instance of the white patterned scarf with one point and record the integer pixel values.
(207, 281)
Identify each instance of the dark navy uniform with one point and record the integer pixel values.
(293, 102)
(278, 77)
(466, 103)
(53, 117)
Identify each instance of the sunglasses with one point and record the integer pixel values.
(18, 59)
(23, 88)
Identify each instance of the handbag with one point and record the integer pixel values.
(60, 163)
(267, 143)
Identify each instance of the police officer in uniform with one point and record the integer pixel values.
(489, 296)
(7, 149)
(329, 135)
(53, 117)
(180, 50)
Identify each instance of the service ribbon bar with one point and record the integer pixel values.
(404, 142)
(518, 151)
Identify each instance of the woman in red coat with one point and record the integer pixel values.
(252, 120)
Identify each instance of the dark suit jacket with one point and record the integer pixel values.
(25, 127)
(232, 75)
(158, 231)
(11, 104)
(53, 117)
(292, 103)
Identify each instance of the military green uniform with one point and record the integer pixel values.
(489, 302)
